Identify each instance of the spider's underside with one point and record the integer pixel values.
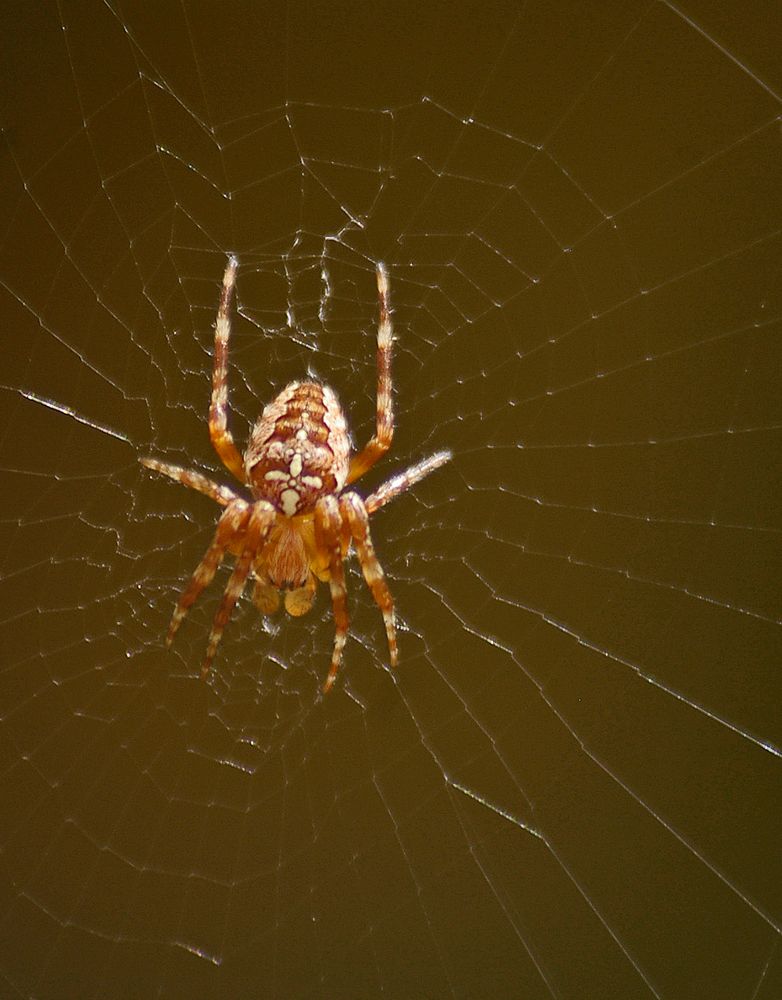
(300, 523)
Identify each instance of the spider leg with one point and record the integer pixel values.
(355, 514)
(188, 477)
(220, 435)
(231, 522)
(328, 531)
(384, 432)
(404, 480)
(259, 523)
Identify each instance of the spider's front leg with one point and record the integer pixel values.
(232, 522)
(328, 541)
(355, 516)
(259, 523)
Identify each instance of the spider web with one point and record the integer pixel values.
(570, 786)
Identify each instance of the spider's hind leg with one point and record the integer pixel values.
(384, 430)
(219, 432)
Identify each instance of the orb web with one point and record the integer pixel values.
(567, 788)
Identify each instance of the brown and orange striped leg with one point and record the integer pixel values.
(232, 521)
(354, 513)
(384, 432)
(259, 523)
(220, 435)
(188, 477)
(404, 480)
(328, 530)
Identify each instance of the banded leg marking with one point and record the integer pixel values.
(219, 433)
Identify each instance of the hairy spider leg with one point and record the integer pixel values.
(259, 523)
(328, 531)
(355, 515)
(219, 433)
(188, 477)
(231, 523)
(404, 480)
(384, 432)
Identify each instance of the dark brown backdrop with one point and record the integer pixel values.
(570, 787)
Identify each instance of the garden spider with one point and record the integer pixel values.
(299, 525)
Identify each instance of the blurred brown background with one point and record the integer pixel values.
(570, 787)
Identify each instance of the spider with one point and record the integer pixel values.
(300, 523)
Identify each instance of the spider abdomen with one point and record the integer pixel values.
(299, 449)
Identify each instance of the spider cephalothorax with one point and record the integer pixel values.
(300, 523)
